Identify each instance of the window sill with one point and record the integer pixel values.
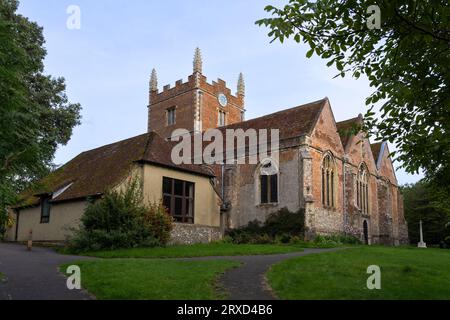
(268, 205)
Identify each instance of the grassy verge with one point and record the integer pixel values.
(130, 279)
(197, 250)
(406, 273)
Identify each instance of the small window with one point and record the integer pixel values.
(171, 116)
(269, 188)
(242, 116)
(178, 198)
(222, 116)
(45, 210)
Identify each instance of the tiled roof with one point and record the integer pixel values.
(92, 172)
(292, 122)
(345, 127)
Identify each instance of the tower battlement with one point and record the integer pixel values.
(180, 87)
(195, 105)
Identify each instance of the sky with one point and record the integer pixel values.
(107, 62)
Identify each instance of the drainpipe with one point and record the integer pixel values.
(222, 191)
(222, 166)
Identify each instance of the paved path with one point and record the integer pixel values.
(248, 281)
(34, 275)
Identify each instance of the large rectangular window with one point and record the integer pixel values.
(269, 188)
(45, 210)
(178, 198)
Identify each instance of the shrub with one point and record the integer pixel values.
(324, 241)
(336, 239)
(120, 219)
(6, 222)
(447, 242)
(245, 234)
(158, 221)
(285, 222)
(280, 226)
(349, 239)
(261, 239)
(283, 238)
(297, 240)
(95, 240)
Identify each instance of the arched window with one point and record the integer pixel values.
(268, 182)
(362, 189)
(328, 181)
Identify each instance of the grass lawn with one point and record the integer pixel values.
(406, 273)
(197, 250)
(152, 279)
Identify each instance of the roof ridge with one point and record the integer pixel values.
(314, 124)
(277, 112)
(113, 143)
(348, 120)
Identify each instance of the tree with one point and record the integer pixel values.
(35, 115)
(122, 218)
(407, 62)
(426, 202)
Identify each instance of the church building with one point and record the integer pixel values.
(342, 182)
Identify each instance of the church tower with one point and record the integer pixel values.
(195, 105)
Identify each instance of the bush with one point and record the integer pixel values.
(120, 219)
(279, 227)
(261, 239)
(447, 242)
(324, 240)
(96, 240)
(158, 221)
(336, 239)
(6, 222)
(285, 222)
(283, 238)
(348, 239)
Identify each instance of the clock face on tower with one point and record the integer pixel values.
(223, 101)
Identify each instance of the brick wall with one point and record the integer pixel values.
(195, 101)
(300, 180)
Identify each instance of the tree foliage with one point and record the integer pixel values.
(429, 203)
(122, 219)
(407, 62)
(35, 114)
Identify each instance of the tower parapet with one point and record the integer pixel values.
(197, 103)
